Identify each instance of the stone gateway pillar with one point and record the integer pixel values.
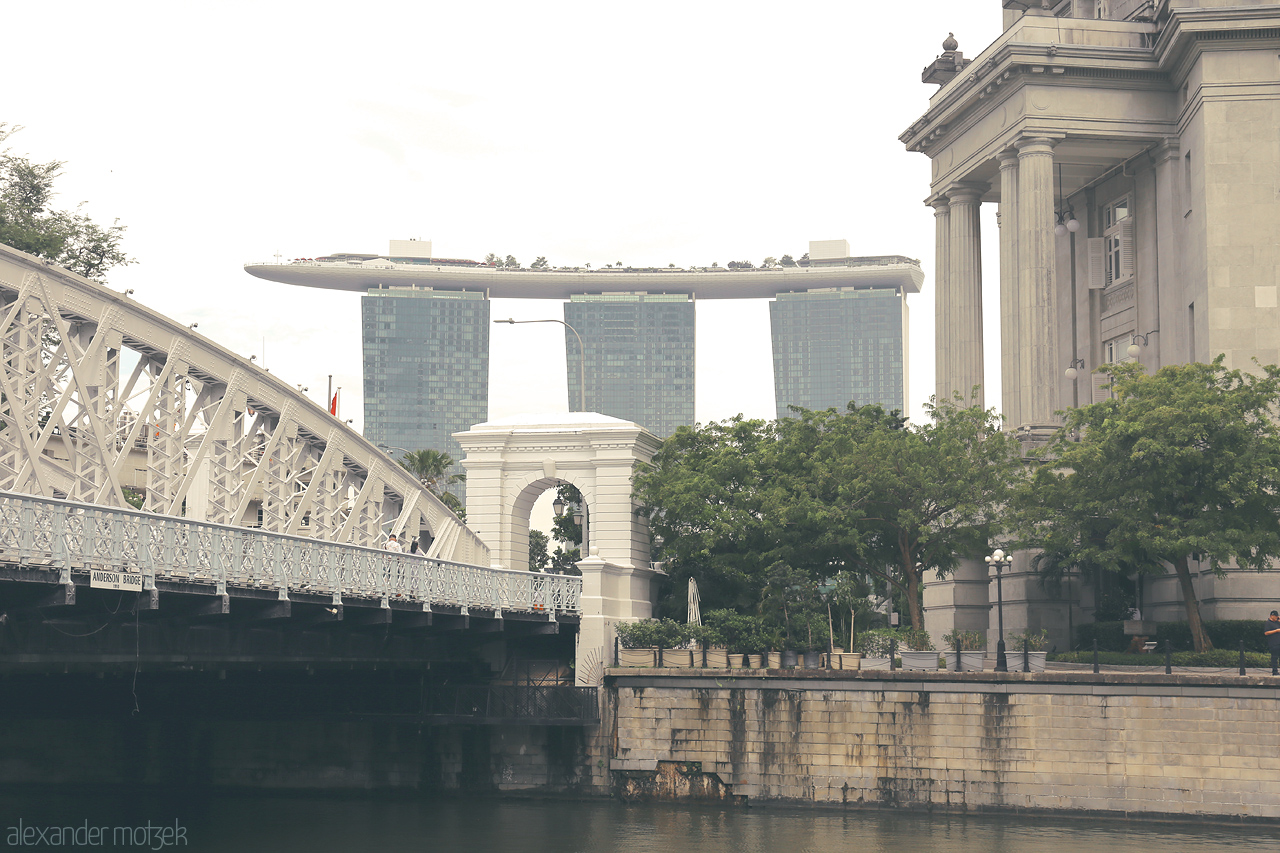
(511, 462)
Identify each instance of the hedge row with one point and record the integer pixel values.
(1218, 658)
(1223, 633)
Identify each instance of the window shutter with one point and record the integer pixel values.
(1126, 248)
(1101, 387)
(1097, 262)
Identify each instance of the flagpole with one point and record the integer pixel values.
(328, 398)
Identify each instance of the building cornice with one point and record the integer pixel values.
(1159, 58)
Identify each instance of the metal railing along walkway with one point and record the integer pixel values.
(70, 538)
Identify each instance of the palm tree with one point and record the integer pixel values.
(431, 467)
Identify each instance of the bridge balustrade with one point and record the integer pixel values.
(70, 537)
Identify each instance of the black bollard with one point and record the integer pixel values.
(893, 654)
(616, 645)
(1095, 658)
(1026, 655)
(1242, 657)
(704, 655)
(1168, 658)
(659, 655)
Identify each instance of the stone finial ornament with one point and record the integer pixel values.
(951, 43)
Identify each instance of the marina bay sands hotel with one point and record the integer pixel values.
(839, 330)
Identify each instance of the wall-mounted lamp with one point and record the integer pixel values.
(129, 292)
(1072, 371)
(194, 326)
(253, 358)
(1134, 349)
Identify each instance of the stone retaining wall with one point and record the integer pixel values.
(1132, 744)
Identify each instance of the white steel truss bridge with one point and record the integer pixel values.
(238, 479)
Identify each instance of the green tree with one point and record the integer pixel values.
(769, 262)
(493, 259)
(787, 261)
(863, 489)
(823, 493)
(539, 559)
(28, 222)
(705, 495)
(511, 263)
(539, 264)
(1185, 461)
(432, 468)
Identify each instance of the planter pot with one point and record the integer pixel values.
(874, 663)
(1036, 659)
(969, 661)
(755, 661)
(678, 658)
(637, 657)
(846, 660)
(789, 659)
(716, 659)
(813, 660)
(919, 660)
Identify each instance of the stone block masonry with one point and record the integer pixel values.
(1140, 745)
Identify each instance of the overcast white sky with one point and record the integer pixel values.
(649, 133)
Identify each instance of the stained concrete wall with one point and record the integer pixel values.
(1133, 744)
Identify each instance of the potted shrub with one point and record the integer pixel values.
(919, 652)
(1036, 644)
(874, 647)
(742, 636)
(970, 649)
(641, 640)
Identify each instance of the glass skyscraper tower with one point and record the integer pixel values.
(426, 368)
(831, 347)
(639, 357)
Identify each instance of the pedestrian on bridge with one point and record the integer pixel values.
(393, 544)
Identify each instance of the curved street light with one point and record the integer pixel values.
(582, 371)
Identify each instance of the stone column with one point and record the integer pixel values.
(942, 297)
(1038, 336)
(610, 594)
(1010, 323)
(966, 289)
(1168, 255)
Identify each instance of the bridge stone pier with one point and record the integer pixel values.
(511, 462)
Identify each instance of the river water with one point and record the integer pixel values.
(322, 824)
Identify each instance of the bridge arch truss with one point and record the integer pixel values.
(104, 401)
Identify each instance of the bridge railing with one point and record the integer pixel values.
(74, 537)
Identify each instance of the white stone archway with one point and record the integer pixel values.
(510, 462)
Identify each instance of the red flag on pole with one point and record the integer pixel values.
(333, 406)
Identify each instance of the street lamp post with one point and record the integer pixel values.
(582, 371)
(1001, 562)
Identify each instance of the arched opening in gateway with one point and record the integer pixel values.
(540, 491)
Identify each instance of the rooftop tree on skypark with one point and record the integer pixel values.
(1182, 462)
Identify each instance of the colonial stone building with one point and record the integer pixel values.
(1133, 149)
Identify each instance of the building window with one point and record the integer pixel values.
(1111, 255)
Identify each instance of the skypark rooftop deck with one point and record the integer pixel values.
(363, 273)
